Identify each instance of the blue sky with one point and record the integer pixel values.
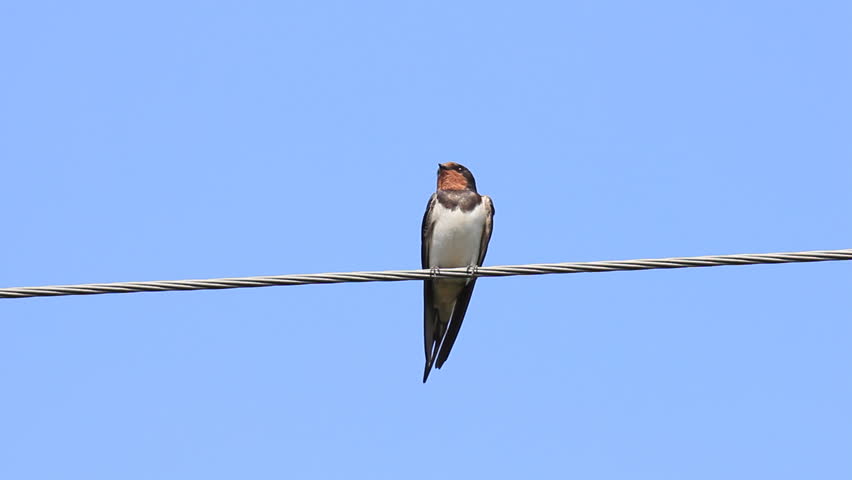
(172, 140)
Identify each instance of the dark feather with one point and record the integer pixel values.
(430, 322)
(430, 315)
(426, 231)
(459, 310)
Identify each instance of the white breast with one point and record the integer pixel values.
(456, 236)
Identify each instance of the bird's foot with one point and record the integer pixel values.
(472, 270)
(434, 272)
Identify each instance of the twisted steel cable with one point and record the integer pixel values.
(401, 275)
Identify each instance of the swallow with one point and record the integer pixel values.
(455, 233)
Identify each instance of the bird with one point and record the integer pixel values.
(456, 230)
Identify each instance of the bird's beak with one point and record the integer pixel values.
(441, 167)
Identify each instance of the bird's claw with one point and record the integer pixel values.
(472, 270)
(434, 272)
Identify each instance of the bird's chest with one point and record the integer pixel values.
(456, 237)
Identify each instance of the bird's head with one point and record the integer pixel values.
(452, 176)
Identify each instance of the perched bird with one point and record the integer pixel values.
(456, 230)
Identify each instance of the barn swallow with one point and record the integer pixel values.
(456, 230)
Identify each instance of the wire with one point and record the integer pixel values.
(401, 275)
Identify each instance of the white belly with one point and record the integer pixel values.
(456, 237)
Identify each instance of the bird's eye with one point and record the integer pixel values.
(461, 169)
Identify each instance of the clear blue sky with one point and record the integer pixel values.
(170, 140)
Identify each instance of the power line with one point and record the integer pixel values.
(401, 275)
